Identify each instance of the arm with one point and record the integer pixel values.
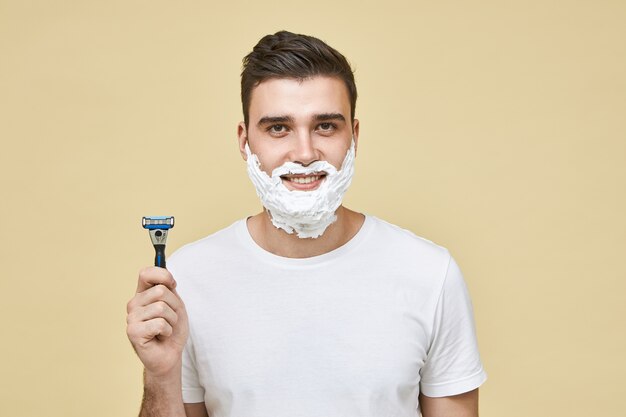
(196, 410)
(164, 398)
(453, 364)
(462, 405)
(158, 328)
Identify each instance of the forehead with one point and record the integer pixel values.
(299, 98)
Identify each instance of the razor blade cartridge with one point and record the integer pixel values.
(157, 222)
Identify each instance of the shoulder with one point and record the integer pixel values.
(392, 238)
(408, 257)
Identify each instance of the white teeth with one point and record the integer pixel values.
(304, 180)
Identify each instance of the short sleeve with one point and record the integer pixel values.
(453, 363)
(192, 390)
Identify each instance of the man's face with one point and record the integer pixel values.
(299, 121)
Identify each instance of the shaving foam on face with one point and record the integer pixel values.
(307, 213)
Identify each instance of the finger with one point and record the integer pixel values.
(155, 310)
(157, 293)
(152, 275)
(143, 332)
(154, 294)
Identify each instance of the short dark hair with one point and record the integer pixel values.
(289, 55)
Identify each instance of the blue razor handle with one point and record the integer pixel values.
(159, 257)
(158, 226)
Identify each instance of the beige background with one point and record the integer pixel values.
(496, 129)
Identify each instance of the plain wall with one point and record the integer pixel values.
(494, 128)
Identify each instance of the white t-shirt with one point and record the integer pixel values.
(358, 331)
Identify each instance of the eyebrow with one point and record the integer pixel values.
(329, 116)
(274, 119)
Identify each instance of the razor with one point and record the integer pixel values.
(158, 227)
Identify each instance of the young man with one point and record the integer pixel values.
(307, 308)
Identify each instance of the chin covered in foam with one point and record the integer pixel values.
(306, 213)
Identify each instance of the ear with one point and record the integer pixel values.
(355, 134)
(242, 139)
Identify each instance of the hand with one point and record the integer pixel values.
(157, 324)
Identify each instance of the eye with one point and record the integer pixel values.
(326, 127)
(277, 130)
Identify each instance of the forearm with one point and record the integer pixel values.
(162, 395)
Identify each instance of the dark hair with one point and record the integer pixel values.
(289, 55)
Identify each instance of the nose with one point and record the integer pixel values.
(304, 151)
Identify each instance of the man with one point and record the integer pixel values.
(307, 308)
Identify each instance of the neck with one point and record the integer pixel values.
(281, 243)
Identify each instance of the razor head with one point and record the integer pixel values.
(157, 222)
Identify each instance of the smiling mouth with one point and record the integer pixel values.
(304, 179)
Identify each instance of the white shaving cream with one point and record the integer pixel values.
(307, 213)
